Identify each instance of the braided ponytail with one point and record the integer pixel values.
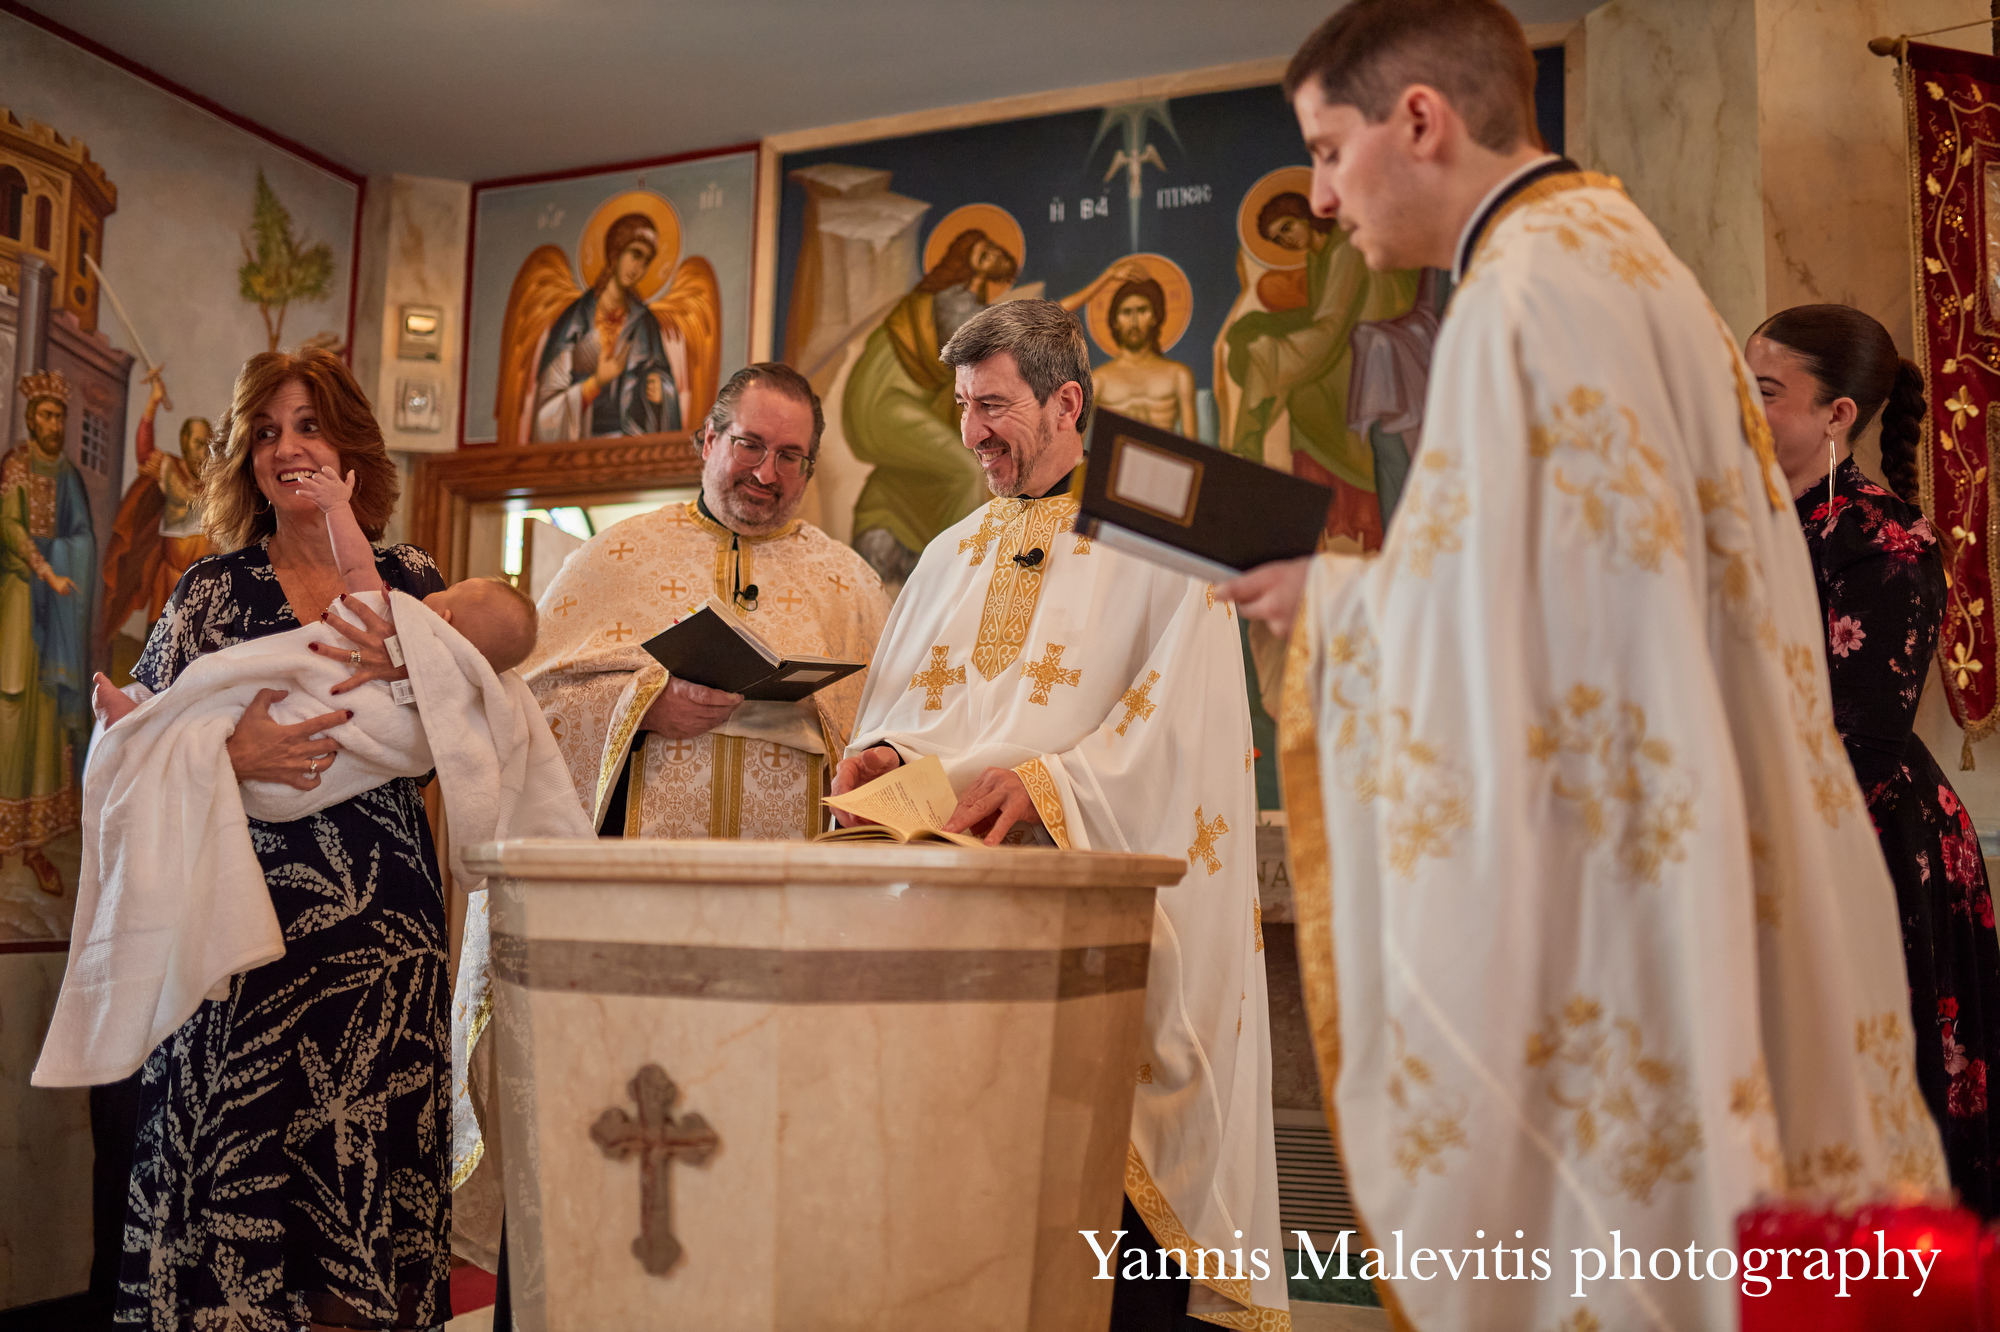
(1902, 428)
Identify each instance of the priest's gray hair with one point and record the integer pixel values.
(773, 375)
(1045, 339)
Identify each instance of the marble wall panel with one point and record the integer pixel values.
(1671, 110)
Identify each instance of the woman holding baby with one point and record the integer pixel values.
(293, 1138)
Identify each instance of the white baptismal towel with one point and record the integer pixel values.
(171, 900)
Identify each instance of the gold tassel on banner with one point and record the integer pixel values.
(1965, 763)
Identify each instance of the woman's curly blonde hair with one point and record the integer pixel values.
(234, 511)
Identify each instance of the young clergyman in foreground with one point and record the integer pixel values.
(1594, 930)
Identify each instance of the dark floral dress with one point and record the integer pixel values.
(1882, 588)
(294, 1137)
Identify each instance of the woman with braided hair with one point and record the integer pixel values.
(1825, 371)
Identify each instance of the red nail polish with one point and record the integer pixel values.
(350, 714)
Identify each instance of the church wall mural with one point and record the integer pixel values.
(148, 247)
(652, 259)
(1178, 230)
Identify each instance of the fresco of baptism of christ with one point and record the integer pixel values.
(1178, 229)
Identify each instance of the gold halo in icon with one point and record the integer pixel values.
(1285, 180)
(1173, 320)
(666, 222)
(998, 224)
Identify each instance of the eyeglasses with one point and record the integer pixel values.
(751, 454)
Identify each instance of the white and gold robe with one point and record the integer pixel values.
(759, 775)
(1595, 931)
(1116, 690)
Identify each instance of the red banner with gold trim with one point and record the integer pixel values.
(1952, 99)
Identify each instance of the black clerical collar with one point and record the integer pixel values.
(1061, 487)
(701, 506)
(1468, 243)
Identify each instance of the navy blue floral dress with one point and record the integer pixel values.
(294, 1138)
(1882, 588)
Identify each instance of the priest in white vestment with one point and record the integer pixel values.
(1095, 702)
(1598, 946)
(654, 757)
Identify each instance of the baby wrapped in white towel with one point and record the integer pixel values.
(171, 900)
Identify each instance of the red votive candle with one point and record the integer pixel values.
(1794, 1302)
(1989, 1281)
(1940, 1249)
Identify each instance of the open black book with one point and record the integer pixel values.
(715, 649)
(1192, 507)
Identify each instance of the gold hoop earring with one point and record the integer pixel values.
(264, 507)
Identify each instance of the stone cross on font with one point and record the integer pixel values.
(656, 1138)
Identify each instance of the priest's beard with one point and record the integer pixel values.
(1011, 477)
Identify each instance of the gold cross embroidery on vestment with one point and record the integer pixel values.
(1205, 833)
(1048, 673)
(933, 679)
(1137, 706)
(980, 540)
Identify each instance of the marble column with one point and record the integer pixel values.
(777, 1086)
(1767, 143)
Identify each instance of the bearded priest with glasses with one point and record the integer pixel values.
(660, 757)
(655, 756)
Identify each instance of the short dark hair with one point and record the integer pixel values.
(773, 375)
(1850, 355)
(1472, 51)
(1044, 339)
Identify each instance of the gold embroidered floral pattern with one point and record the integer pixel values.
(1048, 673)
(1203, 848)
(1586, 230)
(1428, 1122)
(1734, 570)
(1812, 719)
(1750, 1101)
(1257, 925)
(1377, 758)
(1012, 591)
(934, 678)
(1896, 1105)
(1634, 1106)
(1137, 706)
(1034, 775)
(1434, 506)
(1146, 1073)
(1617, 479)
(1834, 1171)
(1623, 781)
(1770, 910)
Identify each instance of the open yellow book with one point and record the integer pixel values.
(907, 803)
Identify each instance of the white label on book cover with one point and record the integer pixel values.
(1154, 480)
(807, 677)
